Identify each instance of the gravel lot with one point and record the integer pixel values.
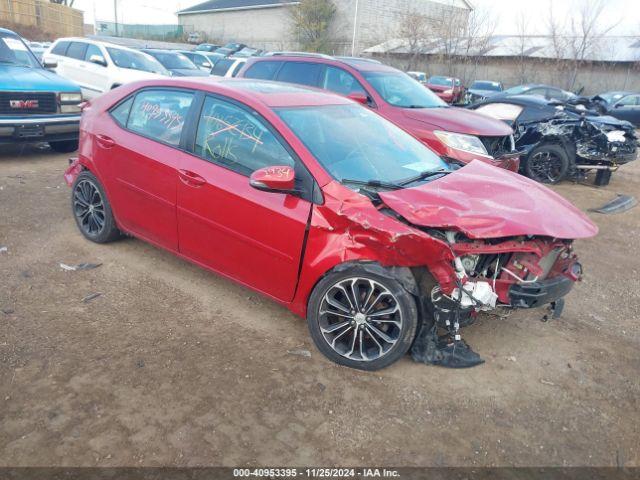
(172, 365)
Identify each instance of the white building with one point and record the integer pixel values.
(358, 24)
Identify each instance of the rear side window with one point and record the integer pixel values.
(262, 70)
(92, 50)
(77, 50)
(342, 82)
(121, 113)
(222, 67)
(301, 73)
(160, 114)
(60, 48)
(234, 138)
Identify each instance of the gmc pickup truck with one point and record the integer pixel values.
(36, 105)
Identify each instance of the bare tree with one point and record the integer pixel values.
(413, 28)
(579, 39)
(521, 47)
(311, 22)
(476, 42)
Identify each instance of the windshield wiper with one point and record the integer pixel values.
(372, 183)
(423, 175)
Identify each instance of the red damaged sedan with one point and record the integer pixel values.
(327, 208)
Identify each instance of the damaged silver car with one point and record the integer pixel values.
(560, 141)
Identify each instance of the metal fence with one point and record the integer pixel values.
(144, 32)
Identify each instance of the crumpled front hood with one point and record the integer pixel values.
(483, 201)
(459, 120)
(16, 78)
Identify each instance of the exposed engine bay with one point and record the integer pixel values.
(520, 272)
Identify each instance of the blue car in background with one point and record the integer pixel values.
(36, 105)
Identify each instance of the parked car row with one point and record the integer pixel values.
(337, 186)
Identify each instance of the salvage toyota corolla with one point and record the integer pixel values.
(325, 207)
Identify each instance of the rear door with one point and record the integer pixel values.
(74, 63)
(302, 73)
(140, 153)
(252, 236)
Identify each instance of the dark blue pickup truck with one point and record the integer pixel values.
(36, 105)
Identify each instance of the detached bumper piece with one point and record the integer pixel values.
(443, 351)
(536, 294)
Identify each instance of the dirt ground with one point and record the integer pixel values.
(172, 365)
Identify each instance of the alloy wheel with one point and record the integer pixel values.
(546, 167)
(360, 319)
(88, 207)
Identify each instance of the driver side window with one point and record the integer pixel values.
(236, 139)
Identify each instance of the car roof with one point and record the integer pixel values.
(268, 93)
(357, 63)
(96, 42)
(11, 32)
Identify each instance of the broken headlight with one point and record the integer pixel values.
(459, 141)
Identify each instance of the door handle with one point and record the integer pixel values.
(191, 179)
(104, 141)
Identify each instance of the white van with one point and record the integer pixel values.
(100, 66)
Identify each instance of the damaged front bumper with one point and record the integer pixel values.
(539, 293)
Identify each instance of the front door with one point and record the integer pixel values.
(252, 236)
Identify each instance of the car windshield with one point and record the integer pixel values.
(174, 60)
(443, 81)
(492, 86)
(15, 52)
(352, 143)
(517, 90)
(135, 61)
(611, 97)
(400, 90)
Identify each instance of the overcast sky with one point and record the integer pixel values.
(626, 13)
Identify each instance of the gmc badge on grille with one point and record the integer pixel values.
(23, 104)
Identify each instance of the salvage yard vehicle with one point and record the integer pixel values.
(418, 76)
(36, 105)
(203, 60)
(621, 105)
(101, 66)
(325, 207)
(176, 63)
(559, 141)
(456, 134)
(481, 89)
(448, 89)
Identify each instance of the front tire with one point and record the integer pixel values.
(362, 320)
(64, 146)
(548, 163)
(91, 209)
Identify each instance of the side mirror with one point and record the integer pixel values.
(273, 179)
(618, 105)
(98, 60)
(359, 97)
(49, 64)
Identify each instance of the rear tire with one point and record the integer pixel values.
(64, 146)
(362, 320)
(547, 163)
(91, 209)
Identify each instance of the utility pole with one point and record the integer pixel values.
(355, 29)
(115, 14)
